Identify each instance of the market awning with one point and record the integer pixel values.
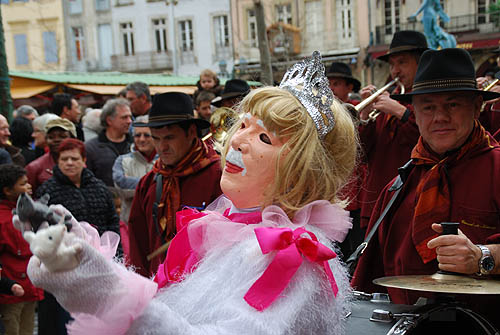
(21, 88)
(114, 89)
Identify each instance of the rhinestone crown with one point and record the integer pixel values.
(306, 80)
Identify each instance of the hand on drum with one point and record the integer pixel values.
(455, 253)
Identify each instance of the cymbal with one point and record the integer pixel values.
(443, 283)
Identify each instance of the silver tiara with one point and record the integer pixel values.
(306, 80)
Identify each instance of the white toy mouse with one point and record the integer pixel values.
(47, 244)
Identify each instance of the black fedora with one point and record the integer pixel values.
(405, 40)
(233, 88)
(342, 70)
(445, 70)
(171, 108)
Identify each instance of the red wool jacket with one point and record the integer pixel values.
(197, 189)
(14, 256)
(475, 203)
(386, 147)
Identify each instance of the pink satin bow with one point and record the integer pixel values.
(291, 246)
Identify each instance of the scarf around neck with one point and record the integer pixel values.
(199, 157)
(433, 201)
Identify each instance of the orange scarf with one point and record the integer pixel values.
(433, 191)
(199, 157)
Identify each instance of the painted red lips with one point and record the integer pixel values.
(231, 168)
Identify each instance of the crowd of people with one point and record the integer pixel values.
(300, 160)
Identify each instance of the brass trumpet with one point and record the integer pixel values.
(221, 120)
(488, 88)
(491, 85)
(374, 113)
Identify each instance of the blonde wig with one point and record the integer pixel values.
(307, 169)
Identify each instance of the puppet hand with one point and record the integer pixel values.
(66, 216)
(21, 226)
(86, 289)
(455, 253)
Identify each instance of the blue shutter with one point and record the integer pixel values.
(4, 1)
(21, 49)
(50, 46)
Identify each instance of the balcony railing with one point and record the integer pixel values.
(484, 23)
(142, 61)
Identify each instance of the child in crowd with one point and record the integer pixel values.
(123, 226)
(208, 82)
(17, 311)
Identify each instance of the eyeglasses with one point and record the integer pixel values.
(141, 134)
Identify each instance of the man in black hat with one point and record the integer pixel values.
(342, 83)
(387, 142)
(234, 91)
(490, 116)
(453, 176)
(187, 174)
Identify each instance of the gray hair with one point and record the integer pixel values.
(25, 110)
(139, 88)
(109, 109)
(91, 119)
(40, 121)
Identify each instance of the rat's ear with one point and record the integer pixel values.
(44, 199)
(29, 236)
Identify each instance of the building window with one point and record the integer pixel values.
(160, 33)
(284, 13)
(75, 6)
(78, 43)
(345, 18)
(186, 30)
(105, 37)
(101, 5)
(127, 32)
(21, 47)
(221, 28)
(482, 11)
(124, 2)
(252, 27)
(391, 15)
(50, 46)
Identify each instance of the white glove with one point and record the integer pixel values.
(87, 288)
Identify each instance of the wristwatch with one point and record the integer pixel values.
(486, 262)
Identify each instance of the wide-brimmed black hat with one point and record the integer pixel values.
(342, 70)
(233, 88)
(405, 40)
(445, 70)
(171, 108)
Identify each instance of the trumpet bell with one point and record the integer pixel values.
(221, 120)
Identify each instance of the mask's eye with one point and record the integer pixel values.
(264, 138)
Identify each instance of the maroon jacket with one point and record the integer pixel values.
(14, 256)
(490, 118)
(475, 203)
(40, 170)
(197, 190)
(386, 147)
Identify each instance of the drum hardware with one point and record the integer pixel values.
(381, 315)
(442, 283)
(373, 297)
(434, 318)
(374, 113)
